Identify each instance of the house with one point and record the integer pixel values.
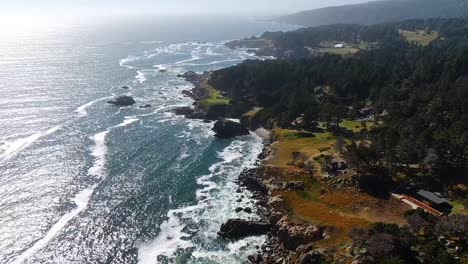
(339, 46)
(337, 164)
(431, 202)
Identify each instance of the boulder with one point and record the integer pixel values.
(125, 87)
(229, 129)
(238, 228)
(145, 106)
(122, 100)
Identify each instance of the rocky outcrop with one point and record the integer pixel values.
(229, 129)
(293, 235)
(122, 100)
(252, 181)
(191, 113)
(238, 228)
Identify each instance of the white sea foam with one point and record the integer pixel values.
(10, 149)
(124, 62)
(216, 203)
(82, 110)
(127, 121)
(99, 153)
(141, 77)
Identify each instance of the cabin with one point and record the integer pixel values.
(339, 46)
(431, 202)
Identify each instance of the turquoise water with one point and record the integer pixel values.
(84, 182)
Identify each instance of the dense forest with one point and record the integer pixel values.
(377, 12)
(418, 94)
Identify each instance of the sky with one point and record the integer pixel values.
(164, 7)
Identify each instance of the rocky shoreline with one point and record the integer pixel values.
(288, 241)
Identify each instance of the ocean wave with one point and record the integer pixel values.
(127, 121)
(10, 149)
(124, 62)
(82, 110)
(81, 200)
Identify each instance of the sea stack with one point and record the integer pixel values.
(229, 129)
(122, 100)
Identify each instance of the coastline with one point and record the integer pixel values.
(288, 240)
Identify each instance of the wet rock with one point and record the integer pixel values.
(248, 210)
(239, 200)
(125, 87)
(256, 258)
(192, 113)
(251, 180)
(122, 100)
(229, 129)
(145, 106)
(239, 209)
(238, 228)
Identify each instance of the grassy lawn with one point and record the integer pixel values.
(420, 37)
(289, 141)
(356, 126)
(459, 207)
(339, 51)
(214, 99)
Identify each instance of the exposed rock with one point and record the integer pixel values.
(252, 181)
(192, 113)
(239, 209)
(125, 87)
(145, 106)
(229, 129)
(248, 210)
(238, 228)
(254, 259)
(293, 235)
(122, 100)
(294, 186)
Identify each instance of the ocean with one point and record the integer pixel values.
(82, 181)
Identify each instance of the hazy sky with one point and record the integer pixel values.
(96, 7)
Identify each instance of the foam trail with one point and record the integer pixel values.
(123, 62)
(82, 109)
(10, 149)
(128, 121)
(81, 200)
(141, 77)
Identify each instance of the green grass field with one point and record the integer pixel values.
(420, 37)
(214, 99)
